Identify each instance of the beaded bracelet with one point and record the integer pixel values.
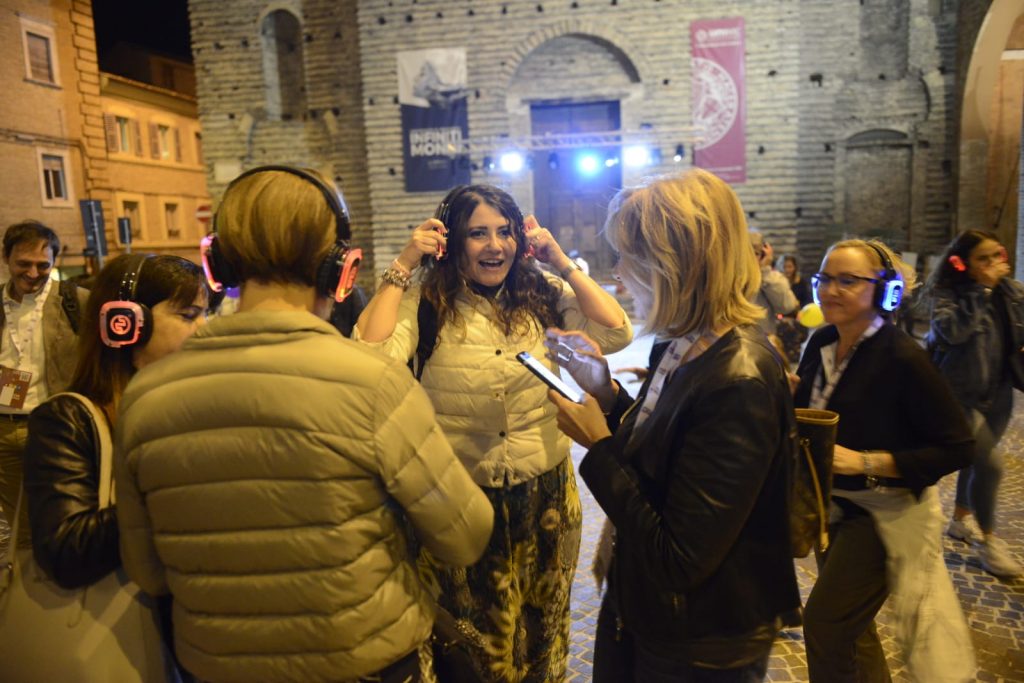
(393, 276)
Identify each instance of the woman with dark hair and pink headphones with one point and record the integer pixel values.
(977, 329)
(142, 308)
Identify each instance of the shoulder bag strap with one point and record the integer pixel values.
(102, 432)
(426, 320)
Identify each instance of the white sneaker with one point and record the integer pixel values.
(996, 559)
(965, 530)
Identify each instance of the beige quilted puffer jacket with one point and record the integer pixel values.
(261, 475)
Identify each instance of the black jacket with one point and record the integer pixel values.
(892, 398)
(73, 541)
(699, 499)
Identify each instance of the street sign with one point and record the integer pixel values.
(204, 213)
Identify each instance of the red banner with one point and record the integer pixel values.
(719, 97)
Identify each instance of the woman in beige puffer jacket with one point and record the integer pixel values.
(264, 476)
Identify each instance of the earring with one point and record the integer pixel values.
(957, 263)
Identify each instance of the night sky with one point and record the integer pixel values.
(158, 24)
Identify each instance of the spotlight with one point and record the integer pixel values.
(488, 163)
(680, 153)
(511, 162)
(588, 163)
(611, 160)
(636, 155)
(553, 161)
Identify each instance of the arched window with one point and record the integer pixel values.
(284, 77)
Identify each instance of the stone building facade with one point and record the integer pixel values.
(851, 106)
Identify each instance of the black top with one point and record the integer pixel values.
(892, 398)
(699, 499)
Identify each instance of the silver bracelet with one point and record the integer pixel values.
(393, 276)
(870, 478)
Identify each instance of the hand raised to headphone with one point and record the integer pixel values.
(429, 237)
(991, 273)
(545, 247)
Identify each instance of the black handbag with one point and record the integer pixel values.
(812, 480)
(453, 659)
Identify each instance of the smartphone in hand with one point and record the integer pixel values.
(548, 377)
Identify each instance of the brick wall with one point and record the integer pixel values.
(818, 75)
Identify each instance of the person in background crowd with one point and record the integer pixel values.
(800, 287)
(977, 331)
(774, 294)
(694, 476)
(265, 473)
(75, 542)
(900, 431)
(481, 300)
(39, 320)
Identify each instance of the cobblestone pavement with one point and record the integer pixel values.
(994, 608)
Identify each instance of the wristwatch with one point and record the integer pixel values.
(564, 274)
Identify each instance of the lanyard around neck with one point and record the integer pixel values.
(21, 344)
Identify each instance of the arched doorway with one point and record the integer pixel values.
(572, 84)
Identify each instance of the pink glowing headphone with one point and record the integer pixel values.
(336, 274)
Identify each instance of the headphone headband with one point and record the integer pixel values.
(342, 225)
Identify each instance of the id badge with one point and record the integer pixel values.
(14, 387)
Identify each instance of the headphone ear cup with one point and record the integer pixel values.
(328, 273)
(889, 294)
(125, 323)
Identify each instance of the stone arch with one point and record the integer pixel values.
(989, 149)
(284, 72)
(631, 57)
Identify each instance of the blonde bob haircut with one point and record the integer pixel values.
(683, 237)
(275, 226)
(908, 274)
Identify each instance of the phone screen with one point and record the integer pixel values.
(548, 377)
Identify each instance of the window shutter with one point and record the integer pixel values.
(137, 134)
(110, 128)
(154, 141)
(177, 145)
(39, 58)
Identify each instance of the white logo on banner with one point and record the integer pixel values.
(715, 100)
(431, 78)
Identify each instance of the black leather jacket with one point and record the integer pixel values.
(699, 499)
(73, 541)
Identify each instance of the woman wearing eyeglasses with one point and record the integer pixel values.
(900, 431)
(976, 332)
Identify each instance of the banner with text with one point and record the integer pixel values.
(432, 94)
(719, 97)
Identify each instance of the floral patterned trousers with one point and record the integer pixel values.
(513, 604)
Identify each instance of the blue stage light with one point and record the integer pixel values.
(588, 163)
(511, 162)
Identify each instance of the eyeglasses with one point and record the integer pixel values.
(844, 281)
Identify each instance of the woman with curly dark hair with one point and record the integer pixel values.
(480, 300)
(977, 329)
